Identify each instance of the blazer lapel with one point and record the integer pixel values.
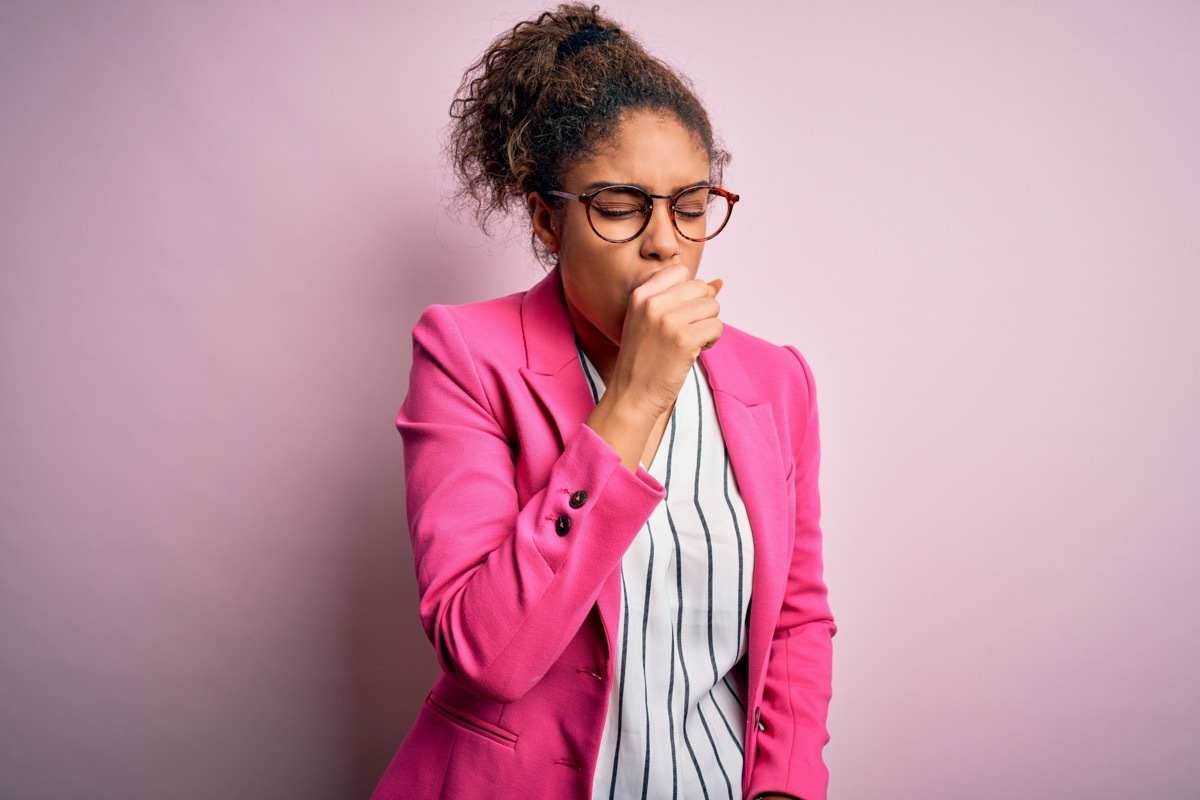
(748, 425)
(555, 378)
(552, 370)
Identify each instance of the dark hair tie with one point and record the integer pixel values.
(580, 39)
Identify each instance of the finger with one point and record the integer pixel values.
(694, 310)
(716, 284)
(671, 298)
(710, 331)
(689, 290)
(663, 280)
(692, 327)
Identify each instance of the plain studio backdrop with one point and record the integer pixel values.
(219, 222)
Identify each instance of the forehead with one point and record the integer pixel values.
(648, 149)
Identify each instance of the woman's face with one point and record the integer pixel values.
(651, 150)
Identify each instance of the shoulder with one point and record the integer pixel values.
(472, 318)
(759, 352)
(477, 330)
(465, 357)
(773, 369)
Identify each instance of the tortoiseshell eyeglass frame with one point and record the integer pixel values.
(586, 199)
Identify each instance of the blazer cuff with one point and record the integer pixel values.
(592, 495)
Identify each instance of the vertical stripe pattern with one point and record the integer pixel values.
(677, 712)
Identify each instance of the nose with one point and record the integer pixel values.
(660, 240)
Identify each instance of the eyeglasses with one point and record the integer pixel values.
(620, 213)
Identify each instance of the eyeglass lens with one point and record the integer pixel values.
(622, 212)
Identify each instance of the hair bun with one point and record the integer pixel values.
(580, 39)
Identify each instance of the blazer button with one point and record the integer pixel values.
(578, 499)
(562, 525)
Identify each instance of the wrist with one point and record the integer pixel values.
(624, 425)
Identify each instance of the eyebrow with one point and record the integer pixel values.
(604, 184)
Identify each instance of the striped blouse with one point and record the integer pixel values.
(677, 710)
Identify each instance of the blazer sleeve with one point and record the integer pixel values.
(798, 683)
(504, 586)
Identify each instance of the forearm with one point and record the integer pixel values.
(503, 589)
(507, 567)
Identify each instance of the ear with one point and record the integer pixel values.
(545, 224)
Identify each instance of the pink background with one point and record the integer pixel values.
(219, 221)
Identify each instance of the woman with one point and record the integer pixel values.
(612, 497)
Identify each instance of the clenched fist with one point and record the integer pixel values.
(670, 319)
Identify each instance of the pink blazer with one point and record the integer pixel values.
(520, 589)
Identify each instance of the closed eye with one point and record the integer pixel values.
(618, 204)
(693, 204)
(618, 210)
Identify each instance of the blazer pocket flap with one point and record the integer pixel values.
(465, 719)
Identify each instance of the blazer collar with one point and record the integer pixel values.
(553, 372)
(549, 336)
(727, 375)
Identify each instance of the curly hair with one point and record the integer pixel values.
(546, 95)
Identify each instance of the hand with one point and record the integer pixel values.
(669, 321)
